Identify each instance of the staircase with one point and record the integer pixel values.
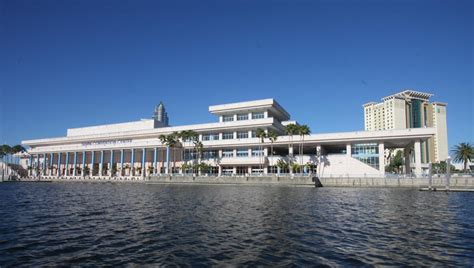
(9, 171)
(342, 165)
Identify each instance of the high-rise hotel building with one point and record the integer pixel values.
(411, 109)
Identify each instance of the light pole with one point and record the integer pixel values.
(448, 172)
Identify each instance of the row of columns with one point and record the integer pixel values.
(40, 165)
(44, 164)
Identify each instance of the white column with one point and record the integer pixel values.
(234, 170)
(250, 133)
(249, 170)
(220, 170)
(220, 136)
(265, 114)
(418, 158)
(220, 119)
(235, 135)
(349, 148)
(75, 164)
(250, 115)
(320, 159)
(382, 158)
(235, 117)
(290, 150)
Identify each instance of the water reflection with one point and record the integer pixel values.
(97, 224)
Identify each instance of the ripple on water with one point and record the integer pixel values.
(107, 224)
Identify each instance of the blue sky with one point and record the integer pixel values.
(79, 63)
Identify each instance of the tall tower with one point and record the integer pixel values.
(411, 109)
(160, 114)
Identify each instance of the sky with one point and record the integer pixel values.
(66, 64)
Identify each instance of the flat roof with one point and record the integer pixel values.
(270, 104)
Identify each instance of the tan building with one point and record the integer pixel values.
(411, 109)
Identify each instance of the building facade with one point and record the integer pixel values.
(411, 109)
(229, 147)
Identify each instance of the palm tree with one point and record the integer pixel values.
(272, 136)
(5, 150)
(291, 129)
(463, 152)
(302, 131)
(169, 141)
(282, 164)
(261, 134)
(199, 148)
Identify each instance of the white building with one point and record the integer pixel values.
(229, 147)
(411, 109)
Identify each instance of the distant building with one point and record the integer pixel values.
(160, 115)
(411, 109)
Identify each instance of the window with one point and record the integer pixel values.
(367, 153)
(228, 153)
(241, 117)
(242, 135)
(210, 137)
(227, 118)
(227, 171)
(227, 136)
(242, 153)
(254, 133)
(257, 170)
(257, 152)
(258, 115)
(210, 154)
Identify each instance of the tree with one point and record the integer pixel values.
(440, 168)
(187, 136)
(463, 152)
(291, 129)
(261, 134)
(170, 142)
(302, 131)
(5, 150)
(272, 136)
(294, 166)
(199, 148)
(396, 162)
(18, 149)
(282, 164)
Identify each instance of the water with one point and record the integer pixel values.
(118, 224)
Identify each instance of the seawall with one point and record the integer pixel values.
(308, 181)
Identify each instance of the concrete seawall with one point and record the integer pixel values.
(308, 181)
(250, 180)
(438, 182)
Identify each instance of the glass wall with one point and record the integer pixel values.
(367, 153)
(416, 109)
